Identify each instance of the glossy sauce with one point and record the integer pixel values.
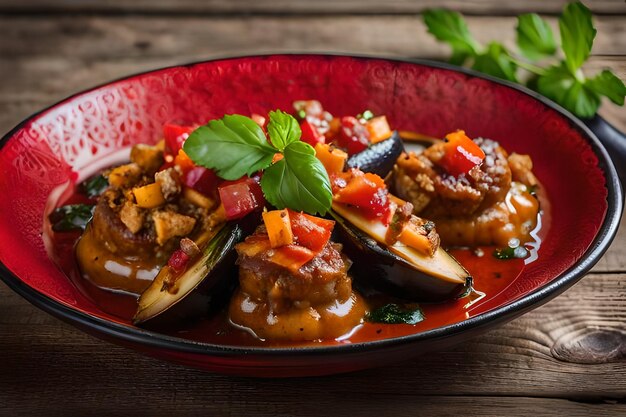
(490, 277)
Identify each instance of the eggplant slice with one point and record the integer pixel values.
(379, 158)
(206, 280)
(397, 269)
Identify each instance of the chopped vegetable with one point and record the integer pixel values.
(394, 314)
(241, 197)
(310, 231)
(184, 162)
(149, 196)
(278, 226)
(292, 257)
(175, 136)
(197, 198)
(461, 154)
(413, 236)
(366, 191)
(149, 158)
(353, 136)
(378, 128)
(178, 261)
(332, 158)
(202, 180)
(310, 134)
(71, 217)
(124, 175)
(94, 186)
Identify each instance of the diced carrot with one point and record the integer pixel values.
(278, 227)
(198, 198)
(183, 161)
(411, 237)
(292, 257)
(379, 129)
(277, 157)
(149, 196)
(333, 159)
(461, 154)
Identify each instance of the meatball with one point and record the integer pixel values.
(315, 301)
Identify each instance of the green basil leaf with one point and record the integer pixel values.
(283, 129)
(298, 181)
(394, 314)
(534, 36)
(495, 61)
(94, 186)
(450, 27)
(71, 217)
(577, 34)
(233, 146)
(558, 84)
(607, 84)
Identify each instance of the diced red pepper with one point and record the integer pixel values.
(201, 179)
(292, 257)
(353, 136)
(461, 154)
(175, 136)
(241, 197)
(310, 231)
(366, 191)
(178, 261)
(310, 134)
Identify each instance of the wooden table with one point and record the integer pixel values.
(567, 357)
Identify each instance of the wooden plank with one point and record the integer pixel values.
(572, 348)
(302, 6)
(154, 36)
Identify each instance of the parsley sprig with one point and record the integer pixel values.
(235, 146)
(561, 80)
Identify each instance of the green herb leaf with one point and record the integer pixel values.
(450, 27)
(233, 146)
(577, 34)
(560, 85)
(394, 314)
(495, 61)
(534, 36)
(519, 252)
(94, 186)
(283, 129)
(607, 84)
(298, 181)
(71, 217)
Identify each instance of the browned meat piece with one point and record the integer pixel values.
(521, 169)
(169, 180)
(169, 224)
(434, 193)
(132, 216)
(321, 281)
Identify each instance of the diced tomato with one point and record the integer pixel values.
(178, 261)
(260, 120)
(292, 257)
(175, 136)
(201, 179)
(366, 191)
(310, 134)
(310, 231)
(353, 136)
(461, 154)
(241, 197)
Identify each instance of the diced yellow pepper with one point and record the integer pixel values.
(333, 159)
(379, 129)
(278, 227)
(149, 196)
(198, 198)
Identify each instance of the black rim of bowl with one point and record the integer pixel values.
(598, 247)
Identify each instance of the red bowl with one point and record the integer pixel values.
(50, 148)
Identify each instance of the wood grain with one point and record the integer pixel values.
(301, 6)
(513, 366)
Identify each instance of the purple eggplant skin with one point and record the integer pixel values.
(379, 158)
(376, 267)
(214, 289)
